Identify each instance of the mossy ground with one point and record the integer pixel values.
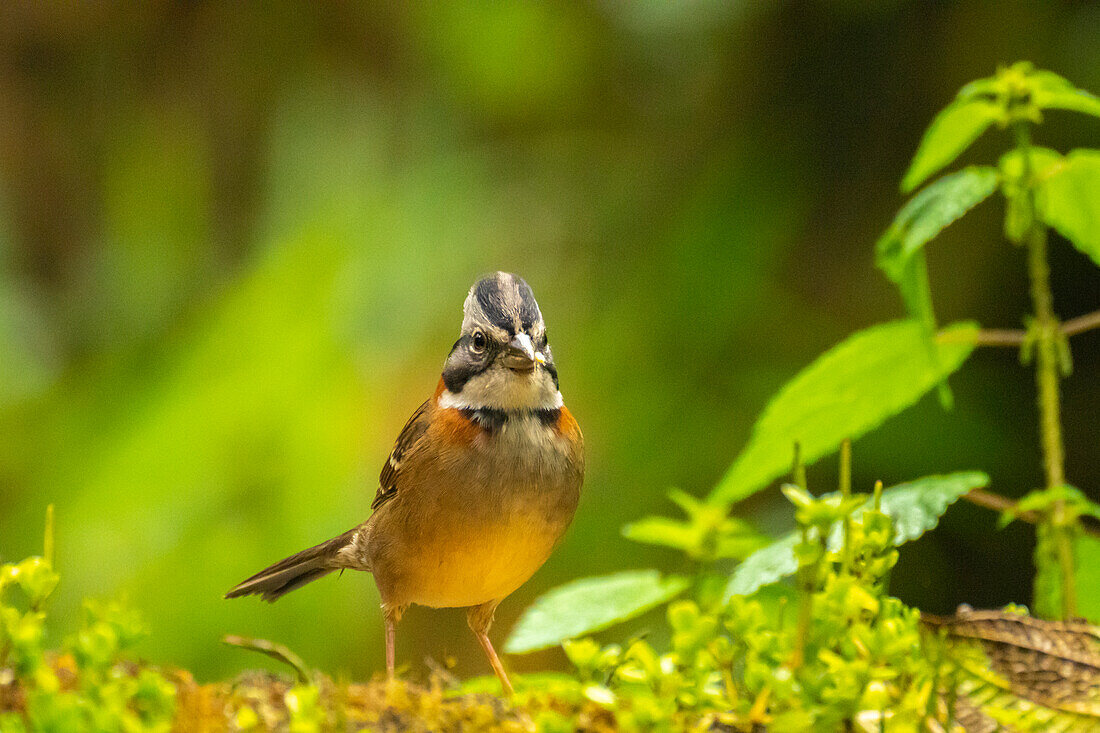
(265, 701)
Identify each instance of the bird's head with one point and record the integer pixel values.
(502, 359)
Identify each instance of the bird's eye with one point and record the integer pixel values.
(479, 341)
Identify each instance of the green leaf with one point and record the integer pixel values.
(916, 294)
(1050, 91)
(900, 254)
(590, 604)
(663, 531)
(1074, 503)
(1046, 586)
(929, 212)
(849, 390)
(915, 507)
(1042, 162)
(708, 534)
(1069, 200)
(1088, 577)
(1020, 214)
(951, 132)
(916, 291)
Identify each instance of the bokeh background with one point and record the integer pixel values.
(235, 239)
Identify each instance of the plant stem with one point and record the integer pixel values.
(1046, 375)
(1046, 361)
(846, 491)
(798, 470)
(1080, 324)
(807, 582)
(1015, 338)
(47, 537)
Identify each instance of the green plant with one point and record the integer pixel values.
(836, 649)
(88, 685)
(1042, 190)
(844, 547)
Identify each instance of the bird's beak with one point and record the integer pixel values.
(520, 354)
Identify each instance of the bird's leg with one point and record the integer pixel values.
(480, 618)
(391, 615)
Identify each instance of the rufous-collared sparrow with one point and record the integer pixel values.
(481, 484)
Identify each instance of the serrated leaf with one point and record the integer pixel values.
(915, 507)
(590, 604)
(929, 212)
(1069, 200)
(851, 389)
(765, 566)
(900, 251)
(951, 132)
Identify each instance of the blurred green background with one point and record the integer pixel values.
(235, 239)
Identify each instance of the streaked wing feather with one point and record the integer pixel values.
(412, 432)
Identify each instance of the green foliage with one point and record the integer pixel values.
(1050, 91)
(1062, 506)
(1041, 188)
(855, 655)
(1017, 172)
(849, 390)
(878, 372)
(1018, 92)
(88, 686)
(1074, 504)
(306, 714)
(915, 507)
(1088, 575)
(590, 604)
(899, 251)
(954, 129)
(1069, 200)
(1047, 587)
(708, 534)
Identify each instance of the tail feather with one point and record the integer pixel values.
(275, 581)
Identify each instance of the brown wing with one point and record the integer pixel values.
(410, 434)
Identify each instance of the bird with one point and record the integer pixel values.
(480, 486)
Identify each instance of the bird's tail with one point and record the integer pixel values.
(295, 571)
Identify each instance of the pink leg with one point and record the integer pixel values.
(480, 618)
(494, 660)
(391, 615)
(391, 644)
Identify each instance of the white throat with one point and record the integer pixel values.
(503, 389)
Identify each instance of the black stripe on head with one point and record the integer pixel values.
(492, 299)
(529, 313)
(506, 299)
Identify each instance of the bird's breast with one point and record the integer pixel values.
(474, 521)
